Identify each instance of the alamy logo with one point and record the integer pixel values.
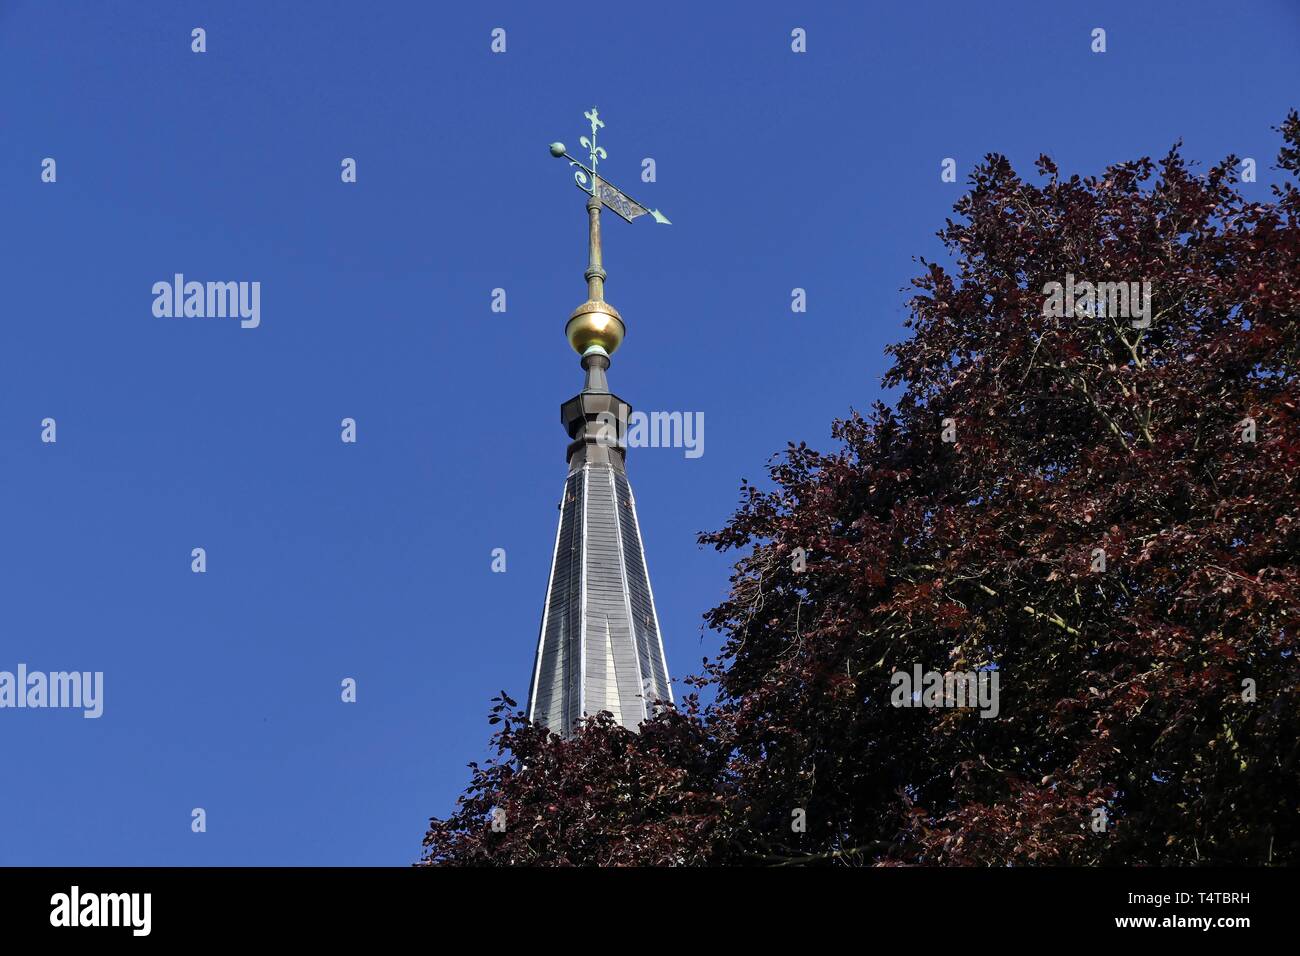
(1119, 300)
(36, 689)
(75, 908)
(209, 300)
(950, 689)
(629, 429)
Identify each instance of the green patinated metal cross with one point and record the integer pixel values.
(592, 184)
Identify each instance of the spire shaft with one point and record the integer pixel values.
(600, 647)
(595, 273)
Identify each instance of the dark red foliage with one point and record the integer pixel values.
(1120, 689)
(607, 797)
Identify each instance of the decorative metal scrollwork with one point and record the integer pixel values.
(589, 180)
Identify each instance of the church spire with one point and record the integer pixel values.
(600, 648)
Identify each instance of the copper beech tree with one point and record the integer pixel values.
(1101, 506)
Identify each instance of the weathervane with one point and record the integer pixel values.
(595, 326)
(589, 182)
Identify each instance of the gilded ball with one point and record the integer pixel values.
(595, 323)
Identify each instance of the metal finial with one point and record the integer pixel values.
(596, 324)
(586, 179)
(597, 153)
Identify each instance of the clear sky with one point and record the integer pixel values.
(372, 560)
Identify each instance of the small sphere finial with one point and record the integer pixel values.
(558, 150)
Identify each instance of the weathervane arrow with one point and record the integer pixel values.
(587, 179)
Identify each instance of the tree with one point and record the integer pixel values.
(606, 796)
(1096, 502)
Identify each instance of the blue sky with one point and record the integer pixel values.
(372, 560)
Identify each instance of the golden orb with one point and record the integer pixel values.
(595, 323)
